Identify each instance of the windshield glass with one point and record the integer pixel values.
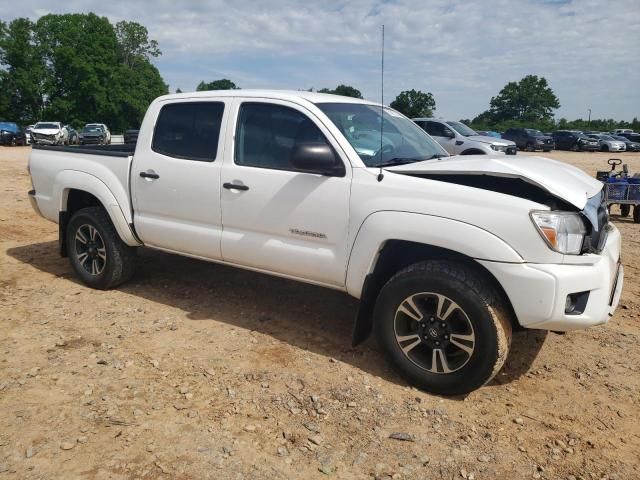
(462, 129)
(12, 127)
(91, 130)
(402, 140)
(49, 126)
(606, 137)
(534, 133)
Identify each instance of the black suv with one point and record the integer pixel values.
(574, 140)
(529, 139)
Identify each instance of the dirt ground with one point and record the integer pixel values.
(195, 370)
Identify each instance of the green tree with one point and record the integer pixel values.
(22, 71)
(134, 43)
(77, 68)
(222, 84)
(344, 90)
(414, 103)
(529, 100)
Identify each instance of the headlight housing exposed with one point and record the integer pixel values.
(563, 231)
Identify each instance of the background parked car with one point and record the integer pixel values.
(634, 137)
(458, 139)
(131, 136)
(489, 133)
(93, 134)
(608, 143)
(12, 134)
(103, 127)
(27, 132)
(619, 131)
(49, 133)
(574, 140)
(631, 145)
(73, 135)
(529, 139)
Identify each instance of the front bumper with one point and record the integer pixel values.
(538, 292)
(617, 148)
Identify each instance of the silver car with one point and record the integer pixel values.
(608, 143)
(458, 139)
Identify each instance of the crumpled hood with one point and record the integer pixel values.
(490, 140)
(45, 131)
(559, 179)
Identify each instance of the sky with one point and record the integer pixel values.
(463, 52)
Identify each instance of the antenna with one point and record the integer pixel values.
(380, 174)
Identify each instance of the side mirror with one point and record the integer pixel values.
(449, 133)
(316, 158)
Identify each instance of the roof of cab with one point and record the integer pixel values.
(295, 95)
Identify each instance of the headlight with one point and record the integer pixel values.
(563, 231)
(498, 148)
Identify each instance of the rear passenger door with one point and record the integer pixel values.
(275, 217)
(175, 178)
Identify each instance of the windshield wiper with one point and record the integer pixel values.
(406, 160)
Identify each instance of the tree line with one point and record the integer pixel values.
(80, 68)
(77, 68)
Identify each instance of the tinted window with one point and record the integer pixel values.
(267, 134)
(189, 130)
(436, 129)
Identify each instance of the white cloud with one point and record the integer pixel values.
(463, 52)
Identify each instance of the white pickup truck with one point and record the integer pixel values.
(447, 254)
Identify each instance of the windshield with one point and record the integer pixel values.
(618, 137)
(9, 126)
(91, 130)
(462, 129)
(48, 126)
(402, 140)
(606, 137)
(534, 133)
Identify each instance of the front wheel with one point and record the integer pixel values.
(97, 254)
(529, 147)
(636, 214)
(442, 327)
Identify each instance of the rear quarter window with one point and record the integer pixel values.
(189, 131)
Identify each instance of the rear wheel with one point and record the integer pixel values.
(442, 327)
(97, 254)
(636, 214)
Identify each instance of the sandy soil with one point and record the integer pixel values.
(196, 370)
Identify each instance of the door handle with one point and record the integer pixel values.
(153, 176)
(234, 186)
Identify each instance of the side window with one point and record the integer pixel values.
(435, 129)
(189, 130)
(267, 133)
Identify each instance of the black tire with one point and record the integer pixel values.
(480, 310)
(529, 147)
(118, 263)
(636, 214)
(576, 147)
(605, 148)
(546, 150)
(625, 209)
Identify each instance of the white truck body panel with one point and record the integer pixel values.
(330, 230)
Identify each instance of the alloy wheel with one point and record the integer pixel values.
(90, 249)
(434, 332)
